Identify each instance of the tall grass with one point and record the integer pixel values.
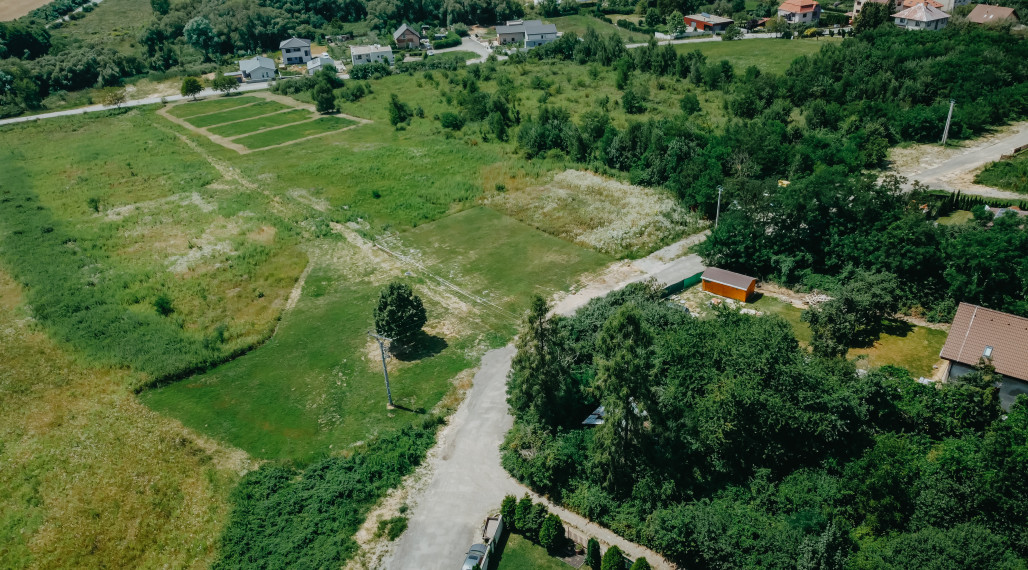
(306, 518)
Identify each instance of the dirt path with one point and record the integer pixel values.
(228, 142)
(462, 480)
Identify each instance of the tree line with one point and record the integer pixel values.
(726, 445)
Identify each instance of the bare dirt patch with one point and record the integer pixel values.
(596, 212)
(14, 9)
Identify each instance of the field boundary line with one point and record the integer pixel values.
(250, 118)
(182, 103)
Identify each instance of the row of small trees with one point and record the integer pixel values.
(532, 521)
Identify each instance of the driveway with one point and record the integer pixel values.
(467, 482)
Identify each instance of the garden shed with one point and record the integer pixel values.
(728, 284)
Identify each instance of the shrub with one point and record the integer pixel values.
(452, 121)
(507, 508)
(551, 534)
(592, 554)
(523, 515)
(641, 564)
(451, 40)
(613, 559)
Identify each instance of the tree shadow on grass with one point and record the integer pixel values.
(424, 346)
(891, 327)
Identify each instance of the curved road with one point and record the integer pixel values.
(467, 482)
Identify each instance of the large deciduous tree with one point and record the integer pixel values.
(400, 314)
(191, 86)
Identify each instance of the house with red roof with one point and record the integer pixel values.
(980, 335)
(800, 11)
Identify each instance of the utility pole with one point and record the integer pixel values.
(717, 215)
(385, 371)
(945, 132)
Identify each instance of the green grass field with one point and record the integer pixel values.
(579, 23)
(205, 106)
(769, 55)
(1008, 174)
(317, 385)
(113, 23)
(294, 132)
(521, 554)
(236, 114)
(264, 122)
(956, 218)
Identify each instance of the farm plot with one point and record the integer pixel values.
(291, 133)
(236, 114)
(239, 128)
(194, 108)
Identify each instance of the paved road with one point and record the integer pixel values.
(467, 480)
(941, 175)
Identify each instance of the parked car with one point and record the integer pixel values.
(475, 556)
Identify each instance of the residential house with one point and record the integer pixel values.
(984, 335)
(528, 33)
(258, 68)
(858, 5)
(406, 38)
(371, 54)
(986, 14)
(321, 61)
(705, 22)
(295, 51)
(800, 11)
(728, 284)
(921, 17)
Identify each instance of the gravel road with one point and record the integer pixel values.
(467, 481)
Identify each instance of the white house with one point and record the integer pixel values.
(258, 68)
(921, 17)
(529, 33)
(371, 54)
(324, 60)
(295, 51)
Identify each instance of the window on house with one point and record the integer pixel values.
(987, 353)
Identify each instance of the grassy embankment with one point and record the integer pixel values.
(579, 23)
(1008, 174)
(768, 55)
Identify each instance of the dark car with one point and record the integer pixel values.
(475, 556)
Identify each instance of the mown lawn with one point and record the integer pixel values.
(214, 105)
(579, 23)
(956, 218)
(522, 554)
(294, 132)
(768, 55)
(265, 122)
(911, 347)
(247, 112)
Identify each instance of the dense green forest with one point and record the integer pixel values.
(726, 445)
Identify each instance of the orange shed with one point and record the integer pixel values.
(728, 284)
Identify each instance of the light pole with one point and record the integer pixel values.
(945, 132)
(385, 371)
(717, 215)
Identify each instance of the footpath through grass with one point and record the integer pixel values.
(213, 105)
(265, 122)
(290, 133)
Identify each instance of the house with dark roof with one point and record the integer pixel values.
(921, 17)
(295, 51)
(800, 11)
(406, 38)
(986, 14)
(528, 33)
(258, 68)
(705, 22)
(729, 284)
(984, 335)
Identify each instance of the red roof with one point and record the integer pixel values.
(986, 14)
(799, 6)
(979, 332)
